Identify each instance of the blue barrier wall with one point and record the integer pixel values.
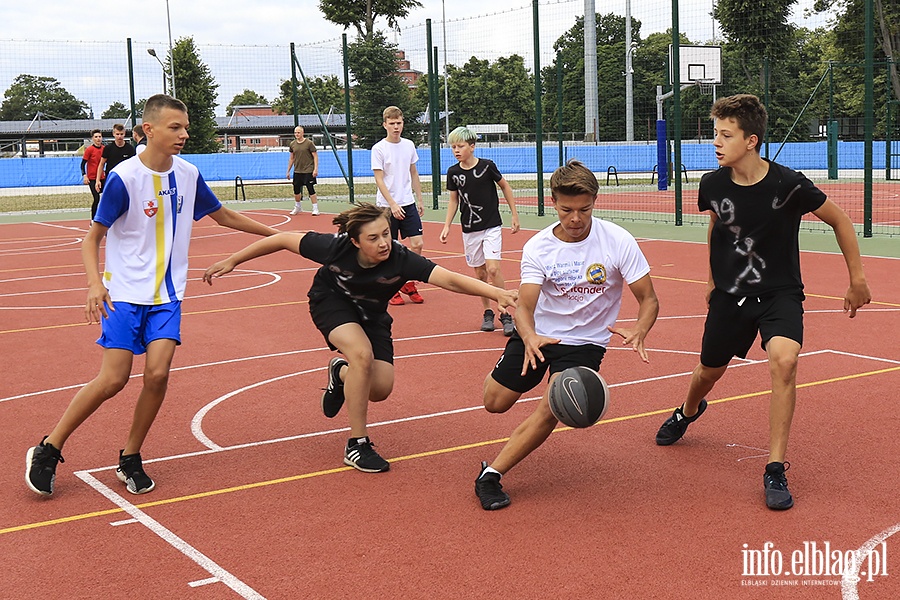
(58, 171)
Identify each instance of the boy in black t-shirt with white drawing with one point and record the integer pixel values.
(473, 189)
(755, 207)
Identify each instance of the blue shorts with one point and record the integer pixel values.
(132, 326)
(409, 226)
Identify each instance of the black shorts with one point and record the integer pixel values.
(557, 358)
(733, 322)
(304, 179)
(331, 311)
(410, 225)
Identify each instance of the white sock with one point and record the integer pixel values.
(489, 470)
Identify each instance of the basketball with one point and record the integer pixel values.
(579, 397)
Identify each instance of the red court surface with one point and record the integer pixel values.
(253, 501)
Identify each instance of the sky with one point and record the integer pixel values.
(488, 30)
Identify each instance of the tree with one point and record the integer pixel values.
(485, 92)
(759, 29)
(362, 14)
(327, 91)
(378, 86)
(29, 95)
(245, 98)
(196, 87)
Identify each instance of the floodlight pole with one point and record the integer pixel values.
(171, 51)
(591, 104)
(446, 93)
(629, 76)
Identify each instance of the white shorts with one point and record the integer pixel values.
(482, 245)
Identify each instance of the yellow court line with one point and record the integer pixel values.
(261, 484)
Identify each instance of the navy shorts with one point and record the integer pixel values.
(733, 322)
(133, 326)
(409, 226)
(304, 179)
(329, 312)
(557, 358)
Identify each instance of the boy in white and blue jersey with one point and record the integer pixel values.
(146, 212)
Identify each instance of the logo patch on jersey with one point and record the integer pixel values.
(596, 273)
(180, 204)
(150, 207)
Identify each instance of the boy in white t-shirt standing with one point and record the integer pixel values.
(394, 166)
(573, 276)
(146, 213)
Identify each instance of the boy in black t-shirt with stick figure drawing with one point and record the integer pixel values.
(473, 189)
(755, 207)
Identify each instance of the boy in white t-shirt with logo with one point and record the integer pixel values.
(146, 213)
(573, 275)
(394, 166)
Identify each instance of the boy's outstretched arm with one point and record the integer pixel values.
(452, 206)
(648, 310)
(858, 294)
(279, 241)
(462, 284)
(511, 201)
(235, 220)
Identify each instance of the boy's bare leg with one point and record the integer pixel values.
(702, 381)
(153, 392)
(482, 275)
(365, 379)
(783, 355)
(115, 369)
(530, 434)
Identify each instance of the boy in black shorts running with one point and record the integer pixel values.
(755, 207)
(574, 273)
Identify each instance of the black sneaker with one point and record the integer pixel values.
(360, 455)
(333, 398)
(40, 468)
(488, 323)
(675, 426)
(489, 490)
(777, 495)
(131, 472)
(509, 327)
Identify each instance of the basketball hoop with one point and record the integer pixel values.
(707, 86)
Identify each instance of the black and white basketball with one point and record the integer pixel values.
(579, 397)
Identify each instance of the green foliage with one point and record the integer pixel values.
(378, 86)
(196, 87)
(245, 98)
(327, 91)
(361, 14)
(116, 110)
(484, 92)
(29, 95)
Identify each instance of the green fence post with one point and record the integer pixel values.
(869, 120)
(832, 132)
(131, 83)
(559, 108)
(538, 127)
(347, 122)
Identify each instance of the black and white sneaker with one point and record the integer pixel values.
(360, 455)
(487, 323)
(509, 327)
(489, 490)
(674, 427)
(777, 495)
(131, 473)
(40, 467)
(333, 398)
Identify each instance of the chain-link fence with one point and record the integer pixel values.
(523, 80)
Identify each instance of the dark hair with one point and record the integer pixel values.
(93, 131)
(118, 127)
(138, 130)
(351, 221)
(573, 179)
(747, 110)
(157, 103)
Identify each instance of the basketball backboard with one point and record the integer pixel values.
(697, 63)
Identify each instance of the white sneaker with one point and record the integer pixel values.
(297, 209)
(315, 210)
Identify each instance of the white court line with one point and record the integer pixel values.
(123, 522)
(200, 559)
(66, 227)
(202, 582)
(850, 578)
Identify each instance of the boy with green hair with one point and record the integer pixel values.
(472, 184)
